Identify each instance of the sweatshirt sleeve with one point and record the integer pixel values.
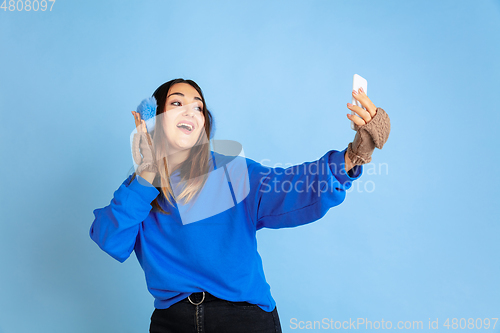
(300, 194)
(116, 226)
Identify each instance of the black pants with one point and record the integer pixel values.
(213, 315)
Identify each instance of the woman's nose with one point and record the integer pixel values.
(190, 108)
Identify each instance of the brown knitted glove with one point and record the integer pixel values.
(140, 146)
(373, 134)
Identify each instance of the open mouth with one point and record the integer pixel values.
(186, 128)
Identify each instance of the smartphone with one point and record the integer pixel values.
(358, 82)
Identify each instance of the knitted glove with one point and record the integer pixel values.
(373, 134)
(140, 145)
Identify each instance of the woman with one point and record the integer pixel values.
(203, 268)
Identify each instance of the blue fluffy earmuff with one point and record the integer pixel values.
(147, 110)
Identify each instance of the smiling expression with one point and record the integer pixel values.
(183, 118)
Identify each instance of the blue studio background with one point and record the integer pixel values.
(417, 237)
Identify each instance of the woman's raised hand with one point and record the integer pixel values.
(139, 123)
(372, 129)
(141, 144)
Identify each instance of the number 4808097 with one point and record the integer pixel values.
(26, 5)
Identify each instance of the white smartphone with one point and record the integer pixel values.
(358, 82)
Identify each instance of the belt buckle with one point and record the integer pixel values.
(189, 299)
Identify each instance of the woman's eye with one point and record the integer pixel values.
(178, 104)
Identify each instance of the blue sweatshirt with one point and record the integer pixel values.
(217, 252)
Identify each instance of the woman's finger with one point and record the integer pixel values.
(136, 118)
(365, 101)
(365, 115)
(357, 120)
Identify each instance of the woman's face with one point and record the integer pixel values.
(183, 106)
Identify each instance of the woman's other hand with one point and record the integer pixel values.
(372, 130)
(141, 145)
(139, 123)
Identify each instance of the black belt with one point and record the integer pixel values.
(203, 296)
